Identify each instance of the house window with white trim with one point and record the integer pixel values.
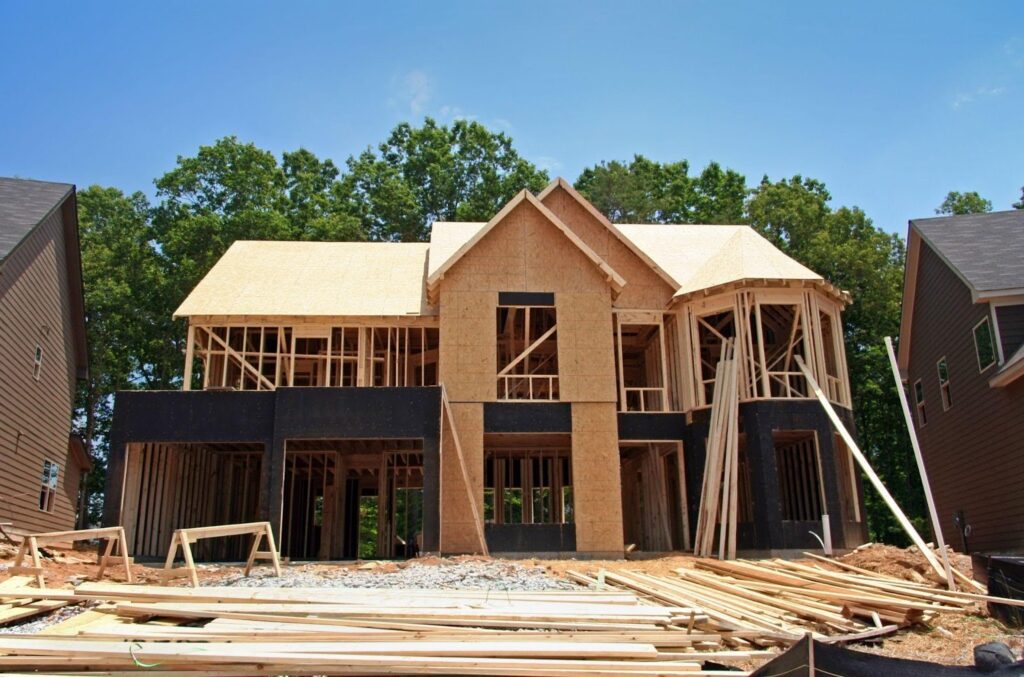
(922, 416)
(48, 486)
(37, 362)
(984, 344)
(943, 368)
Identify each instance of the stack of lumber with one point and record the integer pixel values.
(776, 602)
(224, 630)
(16, 609)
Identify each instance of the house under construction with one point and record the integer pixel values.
(542, 382)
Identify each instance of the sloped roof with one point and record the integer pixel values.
(446, 238)
(393, 279)
(23, 204)
(986, 250)
(445, 260)
(371, 279)
(703, 257)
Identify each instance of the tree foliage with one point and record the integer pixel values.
(957, 203)
(464, 172)
(644, 191)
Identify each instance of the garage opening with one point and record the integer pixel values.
(177, 486)
(347, 499)
(654, 505)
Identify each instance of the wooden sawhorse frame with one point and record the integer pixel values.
(30, 546)
(185, 537)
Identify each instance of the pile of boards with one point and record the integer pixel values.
(698, 620)
(225, 630)
(770, 602)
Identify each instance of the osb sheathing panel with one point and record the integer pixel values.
(596, 478)
(644, 288)
(526, 252)
(458, 533)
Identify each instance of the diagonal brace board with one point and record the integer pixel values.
(241, 359)
(526, 353)
(869, 471)
(478, 523)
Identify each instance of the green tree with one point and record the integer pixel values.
(419, 175)
(122, 283)
(645, 191)
(847, 249)
(1020, 204)
(964, 203)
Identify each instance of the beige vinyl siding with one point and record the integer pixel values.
(34, 296)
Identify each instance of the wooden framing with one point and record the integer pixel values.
(656, 393)
(184, 538)
(770, 327)
(654, 496)
(553, 466)
(524, 373)
(30, 546)
(262, 356)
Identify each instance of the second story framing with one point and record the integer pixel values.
(548, 301)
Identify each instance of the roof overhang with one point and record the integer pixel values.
(826, 287)
(616, 281)
(1012, 370)
(909, 292)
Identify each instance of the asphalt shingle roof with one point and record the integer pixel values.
(23, 204)
(986, 249)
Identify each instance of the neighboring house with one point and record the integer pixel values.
(42, 355)
(961, 351)
(579, 361)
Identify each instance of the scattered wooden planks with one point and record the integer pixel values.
(372, 632)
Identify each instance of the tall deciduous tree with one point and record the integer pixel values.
(122, 282)
(645, 191)
(419, 175)
(964, 203)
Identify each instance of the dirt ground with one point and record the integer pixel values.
(950, 639)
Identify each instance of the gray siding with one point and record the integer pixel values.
(35, 415)
(974, 453)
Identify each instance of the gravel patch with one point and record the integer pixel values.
(446, 575)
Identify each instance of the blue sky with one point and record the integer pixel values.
(891, 104)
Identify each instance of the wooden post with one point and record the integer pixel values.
(869, 471)
(186, 383)
(932, 512)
